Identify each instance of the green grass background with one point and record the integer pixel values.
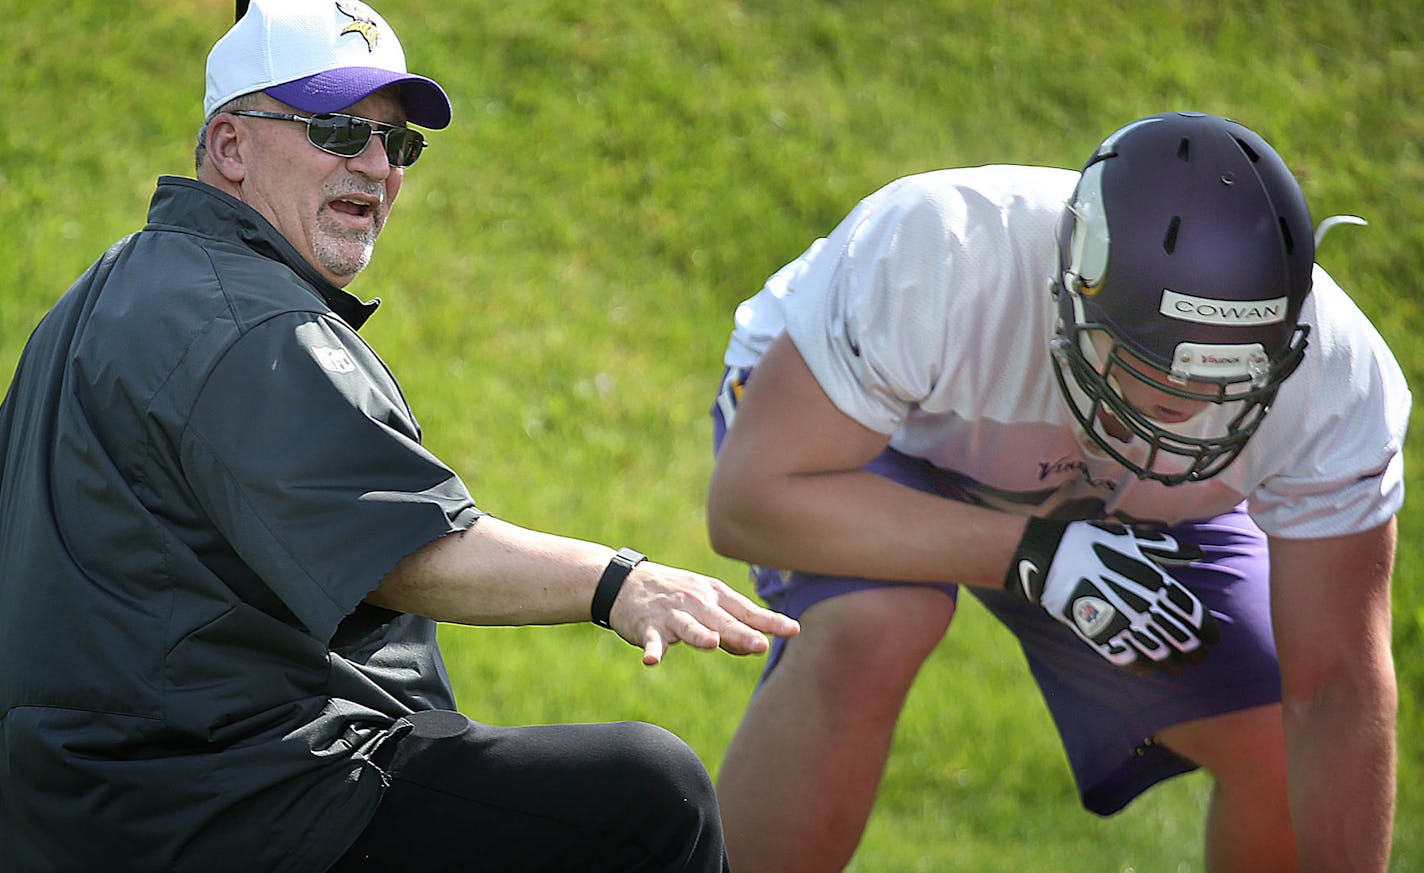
(561, 270)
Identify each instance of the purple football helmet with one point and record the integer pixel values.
(1185, 255)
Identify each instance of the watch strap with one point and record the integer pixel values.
(611, 583)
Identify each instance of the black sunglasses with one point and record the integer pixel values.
(347, 135)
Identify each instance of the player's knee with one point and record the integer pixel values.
(872, 643)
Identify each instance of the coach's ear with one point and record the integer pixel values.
(225, 148)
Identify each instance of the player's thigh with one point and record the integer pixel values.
(1248, 744)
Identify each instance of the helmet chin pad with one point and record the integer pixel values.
(1215, 362)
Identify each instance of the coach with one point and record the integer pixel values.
(224, 549)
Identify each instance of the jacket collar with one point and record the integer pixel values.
(198, 207)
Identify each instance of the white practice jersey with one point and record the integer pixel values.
(926, 315)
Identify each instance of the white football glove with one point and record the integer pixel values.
(1109, 584)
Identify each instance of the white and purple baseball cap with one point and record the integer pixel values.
(318, 56)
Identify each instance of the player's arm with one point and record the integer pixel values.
(497, 573)
(788, 491)
(1331, 613)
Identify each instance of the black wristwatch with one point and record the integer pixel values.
(612, 582)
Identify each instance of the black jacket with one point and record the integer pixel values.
(203, 471)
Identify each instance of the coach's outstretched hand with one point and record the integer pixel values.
(660, 605)
(1111, 585)
(498, 573)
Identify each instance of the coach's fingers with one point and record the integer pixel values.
(654, 647)
(697, 632)
(760, 618)
(679, 627)
(746, 622)
(661, 608)
(739, 639)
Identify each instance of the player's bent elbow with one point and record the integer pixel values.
(722, 534)
(728, 531)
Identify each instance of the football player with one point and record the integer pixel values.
(1126, 409)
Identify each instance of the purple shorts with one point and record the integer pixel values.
(1106, 716)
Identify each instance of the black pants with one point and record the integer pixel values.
(464, 796)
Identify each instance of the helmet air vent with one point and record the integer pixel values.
(1250, 152)
(1184, 149)
(1286, 234)
(1169, 243)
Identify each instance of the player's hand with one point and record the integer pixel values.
(1111, 585)
(659, 606)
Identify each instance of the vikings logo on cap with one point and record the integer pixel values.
(360, 23)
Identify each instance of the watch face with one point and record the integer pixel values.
(631, 556)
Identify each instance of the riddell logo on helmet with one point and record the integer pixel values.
(1237, 313)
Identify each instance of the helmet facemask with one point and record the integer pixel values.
(1092, 366)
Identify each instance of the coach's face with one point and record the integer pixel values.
(330, 208)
